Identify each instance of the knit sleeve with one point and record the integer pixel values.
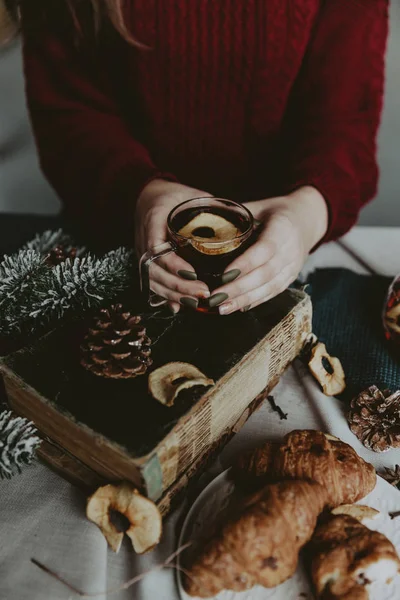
(87, 151)
(335, 109)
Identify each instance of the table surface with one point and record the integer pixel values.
(43, 516)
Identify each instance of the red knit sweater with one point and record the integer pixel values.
(244, 99)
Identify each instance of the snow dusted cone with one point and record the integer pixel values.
(391, 313)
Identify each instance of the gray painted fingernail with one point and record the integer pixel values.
(217, 299)
(189, 302)
(246, 308)
(190, 275)
(230, 275)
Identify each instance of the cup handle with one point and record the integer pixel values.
(145, 262)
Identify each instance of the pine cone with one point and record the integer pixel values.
(374, 418)
(18, 443)
(392, 476)
(116, 346)
(59, 254)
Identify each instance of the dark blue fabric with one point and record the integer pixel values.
(348, 318)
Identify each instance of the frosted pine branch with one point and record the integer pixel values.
(18, 444)
(17, 275)
(44, 242)
(34, 294)
(82, 284)
(20, 274)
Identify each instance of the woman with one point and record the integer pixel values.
(138, 105)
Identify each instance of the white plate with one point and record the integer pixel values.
(220, 494)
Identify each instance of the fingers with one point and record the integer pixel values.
(255, 279)
(284, 263)
(266, 268)
(175, 265)
(176, 284)
(257, 255)
(173, 297)
(175, 280)
(177, 290)
(271, 240)
(174, 307)
(171, 262)
(262, 293)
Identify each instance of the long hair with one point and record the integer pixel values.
(7, 25)
(101, 12)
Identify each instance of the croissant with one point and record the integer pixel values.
(308, 454)
(261, 544)
(346, 556)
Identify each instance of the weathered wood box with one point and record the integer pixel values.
(97, 430)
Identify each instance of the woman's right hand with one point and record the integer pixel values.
(170, 276)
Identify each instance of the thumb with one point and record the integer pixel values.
(154, 230)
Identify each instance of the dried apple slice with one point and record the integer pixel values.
(207, 228)
(332, 438)
(98, 510)
(143, 515)
(357, 511)
(392, 319)
(146, 523)
(167, 381)
(327, 370)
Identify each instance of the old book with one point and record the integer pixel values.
(72, 469)
(98, 430)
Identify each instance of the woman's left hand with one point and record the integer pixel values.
(290, 227)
